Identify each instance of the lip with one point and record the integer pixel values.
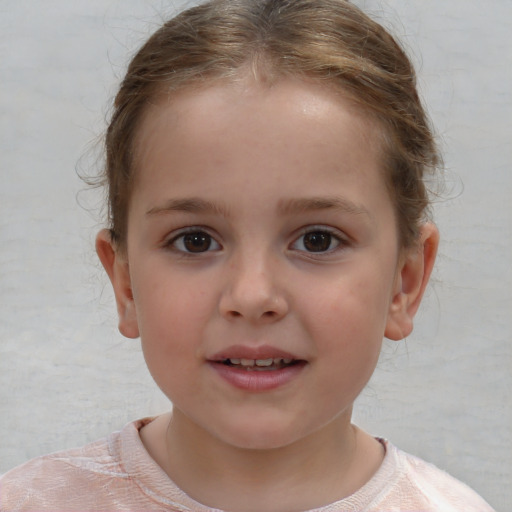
(255, 381)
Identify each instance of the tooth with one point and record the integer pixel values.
(281, 360)
(234, 361)
(247, 362)
(264, 362)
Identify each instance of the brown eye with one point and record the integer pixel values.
(317, 241)
(195, 242)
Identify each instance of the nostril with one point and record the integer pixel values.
(266, 314)
(252, 307)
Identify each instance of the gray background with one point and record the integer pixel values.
(67, 376)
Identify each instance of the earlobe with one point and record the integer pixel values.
(116, 266)
(412, 278)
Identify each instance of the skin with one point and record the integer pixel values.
(257, 168)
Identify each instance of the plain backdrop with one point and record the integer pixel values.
(67, 377)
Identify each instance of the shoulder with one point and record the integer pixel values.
(418, 485)
(61, 479)
(115, 473)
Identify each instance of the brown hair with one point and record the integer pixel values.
(331, 41)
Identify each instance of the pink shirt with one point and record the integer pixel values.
(117, 473)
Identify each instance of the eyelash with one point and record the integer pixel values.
(194, 230)
(322, 231)
(334, 236)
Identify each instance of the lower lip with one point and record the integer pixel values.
(256, 380)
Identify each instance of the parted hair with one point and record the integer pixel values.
(330, 41)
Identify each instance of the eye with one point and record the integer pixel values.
(318, 241)
(194, 242)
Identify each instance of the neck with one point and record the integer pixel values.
(324, 467)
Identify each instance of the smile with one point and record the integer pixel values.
(260, 364)
(258, 375)
(256, 369)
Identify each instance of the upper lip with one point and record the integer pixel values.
(250, 352)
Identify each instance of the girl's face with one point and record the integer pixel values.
(262, 267)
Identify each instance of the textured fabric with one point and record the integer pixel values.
(117, 473)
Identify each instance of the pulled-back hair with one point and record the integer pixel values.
(330, 41)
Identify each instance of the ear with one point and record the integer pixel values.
(411, 280)
(116, 266)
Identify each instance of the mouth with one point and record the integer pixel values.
(259, 369)
(260, 365)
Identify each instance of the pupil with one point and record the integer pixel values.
(317, 241)
(197, 242)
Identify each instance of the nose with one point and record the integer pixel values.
(252, 291)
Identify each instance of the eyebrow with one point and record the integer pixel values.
(300, 205)
(287, 207)
(192, 205)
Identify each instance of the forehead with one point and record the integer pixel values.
(293, 102)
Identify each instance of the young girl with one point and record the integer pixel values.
(268, 227)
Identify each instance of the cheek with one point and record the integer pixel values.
(171, 313)
(348, 342)
(170, 327)
(158, 291)
(347, 319)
